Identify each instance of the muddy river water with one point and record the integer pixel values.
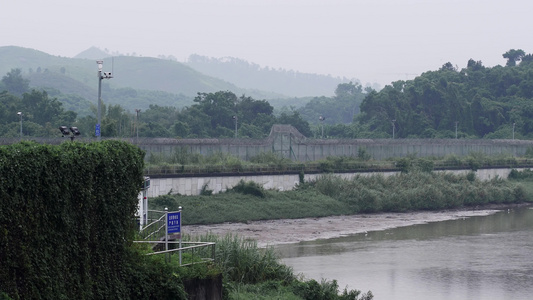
(476, 257)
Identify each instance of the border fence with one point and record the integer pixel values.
(287, 142)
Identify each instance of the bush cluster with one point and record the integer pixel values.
(66, 223)
(417, 191)
(249, 188)
(250, 271)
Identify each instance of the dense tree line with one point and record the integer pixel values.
(211, 115)
(216, 115)
(474, 102)
(482, 102)
(41, 115)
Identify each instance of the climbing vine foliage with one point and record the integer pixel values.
(66, 219)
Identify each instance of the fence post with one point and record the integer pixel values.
(179, 209)
(166, 232)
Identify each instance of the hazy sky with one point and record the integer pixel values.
(371, 40)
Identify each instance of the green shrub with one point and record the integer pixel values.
(249, 188)
(205, 191)
(424, 165)
(328, 185)
(241, 260)
(363, 155)
(452, 160)
(326, 290)
(404, 165)
(529, 152)
(4, 296)
(67, 223)
(301, 177)
(471, 176)
(524, 174)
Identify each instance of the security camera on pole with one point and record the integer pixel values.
(20, 115)
(101, 75)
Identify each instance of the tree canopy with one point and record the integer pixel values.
(480, 101)
(473, 102)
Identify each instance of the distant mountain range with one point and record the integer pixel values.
(179, 82)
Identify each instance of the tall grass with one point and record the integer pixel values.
(183, 160)
(242, 261)
(419, 191)
(331, 195)
(253, 272)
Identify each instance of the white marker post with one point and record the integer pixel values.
(173, 225)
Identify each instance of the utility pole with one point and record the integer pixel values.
(456, 122)
(20, 115)
(235, 118)
(321, 119)
(393, 127)
(101, 75)
(137, 110)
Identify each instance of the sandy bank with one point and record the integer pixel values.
(272, 232)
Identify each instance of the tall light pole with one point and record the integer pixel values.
(513, 130)
(235, 118)
(20, 115)
(137, 110)
(393, 127)
(322, 118)
(456, 122)
(101, 75)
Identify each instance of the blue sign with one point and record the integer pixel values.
(173, 222)
(97, 130)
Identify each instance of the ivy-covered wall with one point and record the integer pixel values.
(66, 220)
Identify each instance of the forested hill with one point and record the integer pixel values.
(138, 81)
(482, 102)
(252, 76)
(144, 73)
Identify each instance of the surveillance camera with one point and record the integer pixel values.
(64, 130)
(75, 130)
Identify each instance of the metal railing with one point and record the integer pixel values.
(154, 233)
(155, 229)
(198, 253)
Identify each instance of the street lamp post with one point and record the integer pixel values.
(513, 129)
(137, 110)
(393, 127)
(456, 122)
(235, 118)
(321, 118)
(20, 115)
(101, 75)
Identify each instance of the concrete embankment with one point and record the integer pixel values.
(282, 182)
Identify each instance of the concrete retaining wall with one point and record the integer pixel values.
(193, 185)
(286, 141)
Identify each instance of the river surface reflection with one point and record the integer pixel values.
(488, 257)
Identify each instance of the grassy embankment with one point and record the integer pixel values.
(253, 273)
(330, 195)
(249, 272)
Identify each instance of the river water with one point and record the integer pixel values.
(488, 257)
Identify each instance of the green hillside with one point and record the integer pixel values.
(136, 72)
(252, 76)
(160, 82)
